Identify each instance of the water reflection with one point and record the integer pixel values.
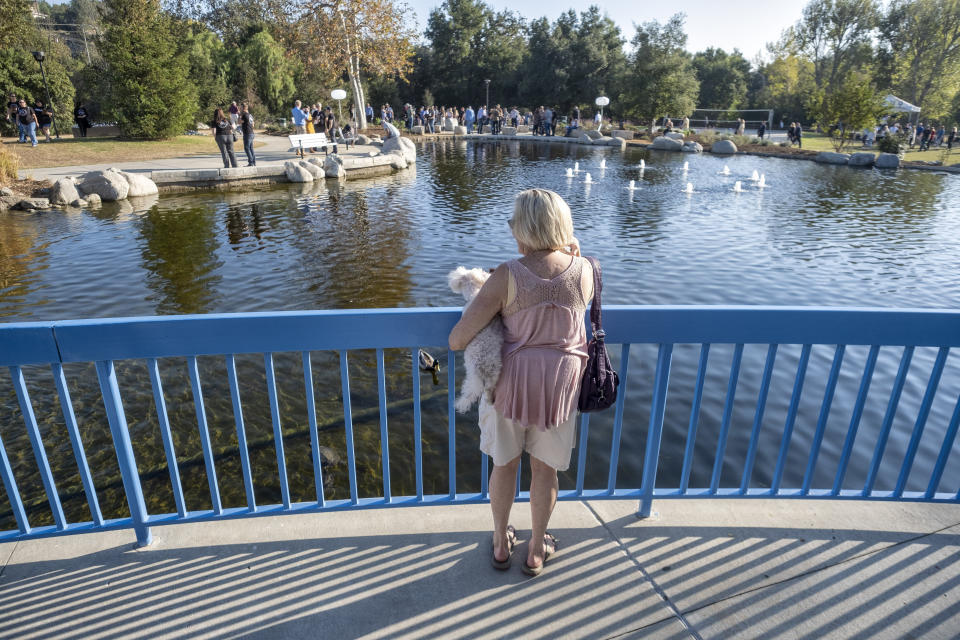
(179, 253)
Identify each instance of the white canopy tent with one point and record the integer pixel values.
(898, 104)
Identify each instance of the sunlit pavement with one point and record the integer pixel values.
(698, 569)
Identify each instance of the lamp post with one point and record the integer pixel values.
(487, 103)
(38, 56)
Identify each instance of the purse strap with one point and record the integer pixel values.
(595, 325)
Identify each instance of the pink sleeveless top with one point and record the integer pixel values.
(544, 347)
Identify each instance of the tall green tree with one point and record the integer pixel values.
(17, 23)
(209, 63)
(660, 79)
(836, 36)
(471, 43)
(787, 82)
(855, 105)
(920, 52)
(723, 78)
(147, 67)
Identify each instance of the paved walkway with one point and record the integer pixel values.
(275, 149)
(702, 569)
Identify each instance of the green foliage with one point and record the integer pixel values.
(723, 78)
(268, 71)
(209, 63)
(892, 143)
(660, 79)
(856, 105)
(20, 74)
(17, 26)
(150, 93)
(919, 53)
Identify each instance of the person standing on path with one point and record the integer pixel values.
(762, 129)
(468, 117)
(82, 118)
(234, 113)
(246, 126)
(299, 118)
(26, 122)
(223, 134)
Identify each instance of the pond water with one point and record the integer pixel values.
(815, 235)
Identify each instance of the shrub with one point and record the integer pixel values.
(892, 143)
(9, 163)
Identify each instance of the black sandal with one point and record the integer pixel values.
(503, 565)
(548, 538)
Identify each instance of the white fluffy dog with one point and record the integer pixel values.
(482, 356)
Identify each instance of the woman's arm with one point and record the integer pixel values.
(488, 303)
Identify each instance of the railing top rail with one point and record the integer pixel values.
(167, 336)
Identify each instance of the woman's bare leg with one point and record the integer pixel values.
(503, 487)
(543, 497)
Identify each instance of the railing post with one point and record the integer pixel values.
(655, 430)
(121, 444)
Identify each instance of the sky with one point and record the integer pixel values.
(742, 24)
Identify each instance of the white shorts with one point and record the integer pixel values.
(503, 439)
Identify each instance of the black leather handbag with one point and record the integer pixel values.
(598, 388)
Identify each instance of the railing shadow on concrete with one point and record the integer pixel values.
(890, 337)
(285, 588)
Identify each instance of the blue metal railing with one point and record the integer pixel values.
(105, 342)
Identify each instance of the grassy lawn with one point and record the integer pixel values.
(70, 151)
(819, 142)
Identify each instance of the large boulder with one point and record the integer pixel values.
(362, 139)
(674, 135)
(392, 131)
(63, 191)
(313, 167)
(402, 145)
(107, 184)
(486, 129)
(8, 201)
(140, 185)
(622, 133)
(832, 157)
(93, 200)
(723, 146)
(418, 129)
(523, 128)
(619, 143)
(459, 130)
(397, 161)
(888, 161)
(666, 144)
(691, 146)
(333, 165)
(581, 136)
(594, 134)
(6, 191)
(449, 124)
(509, 131)
(862, 159)
(296, 173)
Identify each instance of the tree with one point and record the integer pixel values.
(854, 106)
(147, 69)
(17, 23)
(788, 80)
(920, 52)
(271, 72)
(347, 37)
(209, 62)
(469, 44)
(723, 78)
(660, 79)
(835, 35)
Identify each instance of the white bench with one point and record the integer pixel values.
(302, 141)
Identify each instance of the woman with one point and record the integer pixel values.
(542, 298)
(246, 127)
(223, 134)
(26, 122)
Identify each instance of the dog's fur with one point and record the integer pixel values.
(482, 356)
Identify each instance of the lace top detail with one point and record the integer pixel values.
(531, 290)
(544, 346)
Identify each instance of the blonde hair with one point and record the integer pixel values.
(541, 220)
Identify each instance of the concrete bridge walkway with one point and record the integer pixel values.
(701, 569)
